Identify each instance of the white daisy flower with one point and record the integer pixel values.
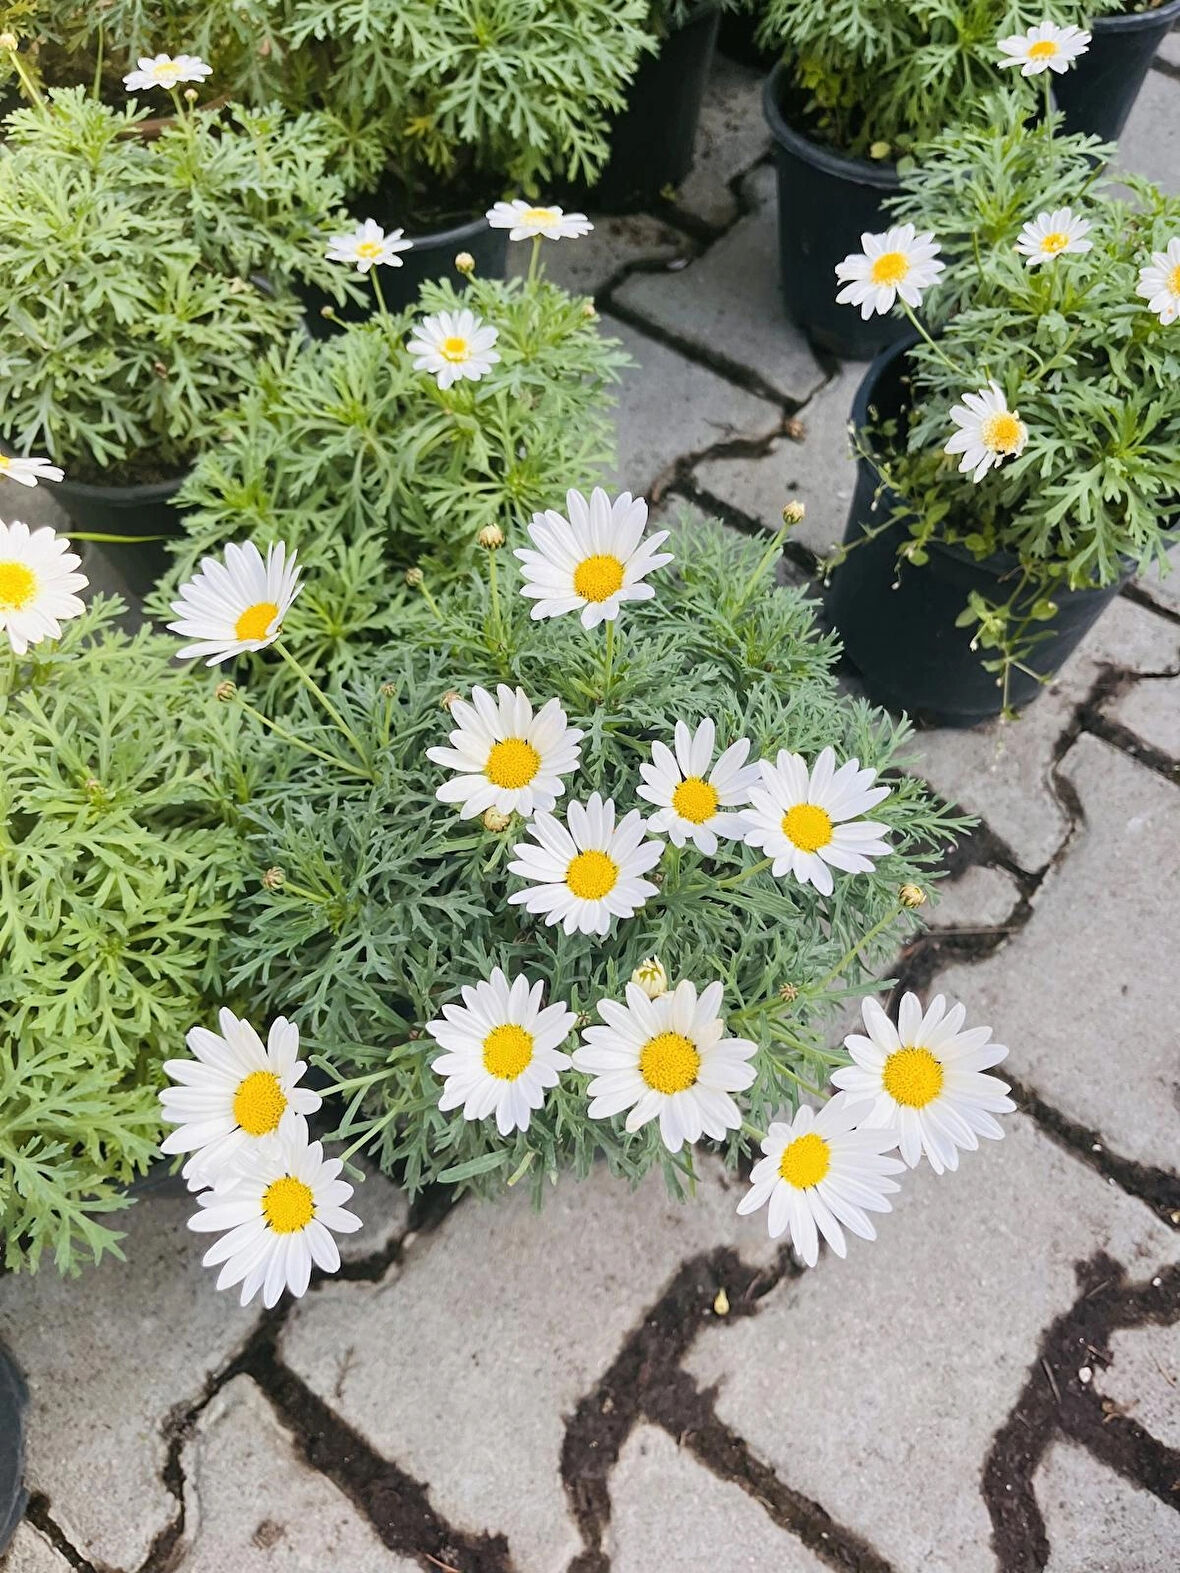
(237, 605)
(588, 871)
(505, 757)
(232, 1093)
(923, 1080)
(1053, 235)
(592, 561)
(689, 795)
(1159, 282)
(166, 71)
(667, 1058)
(988, 433)
(821, 1173)
(502, 1050)
(37, 584)
(27, 472)
(279, 1216)
(808, 823)
(524, 221)
(899, 262)
(454, 344)
(368, 245)
(1045, 47)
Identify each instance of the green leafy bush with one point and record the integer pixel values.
(344, 450)
(144, 275)
(380, 903)
(118, 878)
(421, 93)
(873, 74)
(1090, 370)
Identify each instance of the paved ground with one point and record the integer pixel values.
(624, 1384)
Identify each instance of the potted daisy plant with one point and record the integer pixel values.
(1019, 456)
(144, 277)
(861, 87)
(645, 852)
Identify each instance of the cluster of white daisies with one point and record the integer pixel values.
(901, 264)
(455, 345)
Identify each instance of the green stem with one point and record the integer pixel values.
(865, 939)
(329, 708)
(534, 260)
(608, 657)
(764, 562)
(752, 1130)
(739, 879)
(945, 359)
(119, 540)
(493, 585)
(31, 90)
(299, 742)
(382, 309)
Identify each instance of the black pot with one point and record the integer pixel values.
(127, 511)
(14, 1399)
(737, 40)
(652, 141)
(825, 203)
(1099, 90)
(897, 621)
(432, 256)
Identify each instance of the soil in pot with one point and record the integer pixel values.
(14, 1398)
(1098, 92)
(127, 511)
(652, 141)
(897, 621)
(825, 203)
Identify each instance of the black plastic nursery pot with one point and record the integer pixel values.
(14, 1399)
(825, 203)
(897, 621)
(127, 511)
(1098, 92)
(431, 256)
(652, 141)
(737, 40)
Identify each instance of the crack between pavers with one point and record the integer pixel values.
(39, 1515)
(1056, 1403)
(646, 1382)
(1140, 595)
(700, 228)
(1166, 68)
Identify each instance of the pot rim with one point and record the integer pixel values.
(145, 491)
(858, 170)
(437, 238)
(1138, 21)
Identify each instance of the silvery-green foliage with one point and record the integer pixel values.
(877, 72)
(1091, 371)
(390, 902)
(118, 879)
(345, 451)
(143, 275)
(481, 94)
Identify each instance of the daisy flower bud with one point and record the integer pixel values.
(225, 690)
(8, 41)
(273, 879)
(794, 512)
(912, 896)
(449, 698)
(496, 821)
(490, 537)
(414, 577)
(651, 977)
(465, 264)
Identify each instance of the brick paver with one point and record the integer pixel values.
(991, 1387)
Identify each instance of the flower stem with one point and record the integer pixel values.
(329, 708)
(534, 260)
(740, 879)
(299, 742)
(764, 562)
(865, 939)
(608, 657)
(944, 358)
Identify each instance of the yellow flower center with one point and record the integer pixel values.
(368, 249)
(891, 267)
(913, 1077)
(538, 215)
(1001, 432)
(259, 1103)
(807, 826)
(592, 875)
(512, 763)
(507, 1052)
(1173, 285)
(1055, 241)
(669, 1062)
(18, 586)
(695, 800)
(805, 1161)
(597, 578)
(288, 1205)
(5, 463)
(255, 621)
(1043, 49)
(455, 349)
(168, 75)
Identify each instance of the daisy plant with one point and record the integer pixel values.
(120, 874)
(144, 274)
(877, 79)
(1039, 422)
(392, 446)
(554, 923)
